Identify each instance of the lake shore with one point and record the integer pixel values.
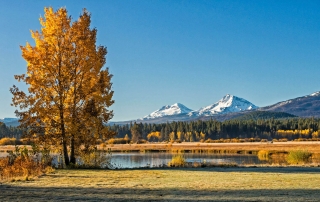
(241, 148)
(246, 147)
(196, 184)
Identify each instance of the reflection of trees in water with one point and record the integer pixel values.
(138, 158)
(135, 160)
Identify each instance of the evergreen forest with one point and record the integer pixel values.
(267, 129)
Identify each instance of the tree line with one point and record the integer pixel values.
(12, 132)
(291, 129)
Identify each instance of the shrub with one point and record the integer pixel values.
(117, 141)
(93, 159)
(142, 141)
(9, 141)
(177, 161)
(263, 155)
(26, 141)
(25, 164)
(298, 157)
(283, 140)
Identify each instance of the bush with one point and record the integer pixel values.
(263, 155)
(142, 141)
(283, 140)
(177, 161)
(118, 141)
(25, 164)
(298, 157)
(93, 159)
(10, 141)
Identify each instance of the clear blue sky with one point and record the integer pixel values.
(192, 52)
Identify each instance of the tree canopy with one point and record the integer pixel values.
(69, 91)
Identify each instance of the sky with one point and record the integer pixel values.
(190, 52)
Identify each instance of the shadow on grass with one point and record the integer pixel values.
(20, 193)
(257, 169)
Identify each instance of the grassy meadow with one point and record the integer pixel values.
(247, 147)
(205, 184)
(245, 183)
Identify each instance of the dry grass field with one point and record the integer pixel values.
(313, 147)
(206, 184)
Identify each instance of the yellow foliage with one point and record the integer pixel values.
(295, 132)
(69, 88)
(155, 135)
(7, 141)
(177, 161)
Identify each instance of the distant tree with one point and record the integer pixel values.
(69, 91)
(136, 131)
(126, 138)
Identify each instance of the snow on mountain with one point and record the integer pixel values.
(227, 104)
(169, 110)
(7, 120)
(315, 94)
(304, 106)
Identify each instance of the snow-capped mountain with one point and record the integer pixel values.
(231, 107)
(305, 106)
(228, 104)
(7, 120)
(169, 110)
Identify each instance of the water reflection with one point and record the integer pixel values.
(139, 160)
(136, 160)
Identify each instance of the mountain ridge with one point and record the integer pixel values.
(304, 106)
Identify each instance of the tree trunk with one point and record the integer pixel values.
(64, 142)
(65, 152)
(72, 153)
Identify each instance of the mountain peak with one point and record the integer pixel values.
(315, 93)
(169, 110)
(229, 103)
(227, 97)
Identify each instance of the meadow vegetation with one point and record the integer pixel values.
(177, 161)
(24, 164)
(177, 184)
(299, 157)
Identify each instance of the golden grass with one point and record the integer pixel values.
(177, 161)
(264, 155)
(298, 157)
(248, 147)
(209, 184)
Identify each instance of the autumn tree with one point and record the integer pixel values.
(136, 131)
(69, 89)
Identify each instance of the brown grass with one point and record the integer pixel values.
(247, 147)
(208, 184)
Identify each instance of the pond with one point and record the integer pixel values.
(140, 160)
(136, 160)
